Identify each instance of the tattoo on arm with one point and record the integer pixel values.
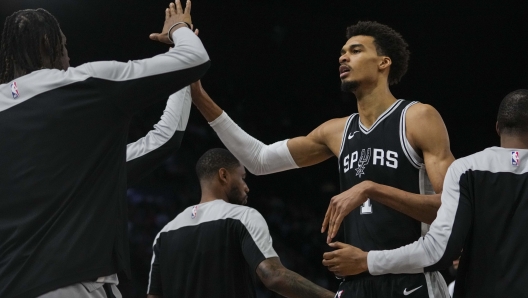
(288, 283)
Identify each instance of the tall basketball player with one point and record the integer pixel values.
(393, 155)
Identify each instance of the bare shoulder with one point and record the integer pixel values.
(334, 126)
(425, 126)
(422, 113)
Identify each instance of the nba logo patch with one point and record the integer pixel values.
(194, 212)
(515, 158)
(14, 90)
(338, 294)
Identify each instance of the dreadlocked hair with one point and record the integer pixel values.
(27, 35)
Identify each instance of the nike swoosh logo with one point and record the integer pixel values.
(351, 135)
(405, 292)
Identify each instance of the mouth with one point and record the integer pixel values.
(343, 71)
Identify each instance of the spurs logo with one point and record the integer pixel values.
(362, 162)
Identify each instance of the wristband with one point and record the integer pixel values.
(176, 24)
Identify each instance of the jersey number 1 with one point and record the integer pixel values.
(366, 208)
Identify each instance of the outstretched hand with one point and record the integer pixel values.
(173, 15)
(345, 260)
(341, 205)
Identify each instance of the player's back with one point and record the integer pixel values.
(210, 250)
(494, 258)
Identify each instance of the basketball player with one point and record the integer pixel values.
(215, 248)
(484, 214)
(62, 157)
(391, 154)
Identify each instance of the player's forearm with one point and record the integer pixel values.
(419, 207)
(207, 107)
(290, 284)
(148, 152)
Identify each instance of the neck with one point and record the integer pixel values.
(372, 102)
(517, 141)
(211, 192)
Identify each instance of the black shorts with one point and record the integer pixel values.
(390, 285)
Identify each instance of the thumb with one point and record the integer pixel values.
(154, 36)
(337, 244)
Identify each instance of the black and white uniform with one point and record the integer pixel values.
(143, 156)
(484, 212)
(383, 154)
(63, 174)
(210, 250)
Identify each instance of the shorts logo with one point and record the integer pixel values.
(338, 294)
(194, 212)
(14, 90)
(363, 161)
(515, 158)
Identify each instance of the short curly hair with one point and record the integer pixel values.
(388, 43)
(213, 160)
(512, 117)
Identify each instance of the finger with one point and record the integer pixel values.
(172, 9)
(326, 263)
(196, 32)
(179, 9)
(331, 223)
(332, 230)
(167, 13)
(337, 224)
(326, 218)
(337, 244)
(328, 255)
(329, 263)
(188, 7)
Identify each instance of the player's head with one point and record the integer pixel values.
(373, 51)
(31, 40)
(219, 168)
(512, 118)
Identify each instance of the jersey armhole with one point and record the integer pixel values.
(347, 125)
(411, 155)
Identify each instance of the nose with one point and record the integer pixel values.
(246, 189)
(343, 58)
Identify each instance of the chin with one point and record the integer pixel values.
(349, 85)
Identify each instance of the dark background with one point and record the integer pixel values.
(275, 71)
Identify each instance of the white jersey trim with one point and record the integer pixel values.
(380, 118)
(343, 139)
(174, 118)
(219, 210)
(187, 52)
(411, 155)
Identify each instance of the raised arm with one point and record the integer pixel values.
(145, 154)
(288, 283)
(136, 84)
(259, 158)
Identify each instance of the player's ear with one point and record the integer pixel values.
(497, 128)
(385, 62)
(223, 175)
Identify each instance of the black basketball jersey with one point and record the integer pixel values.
(383, 155)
